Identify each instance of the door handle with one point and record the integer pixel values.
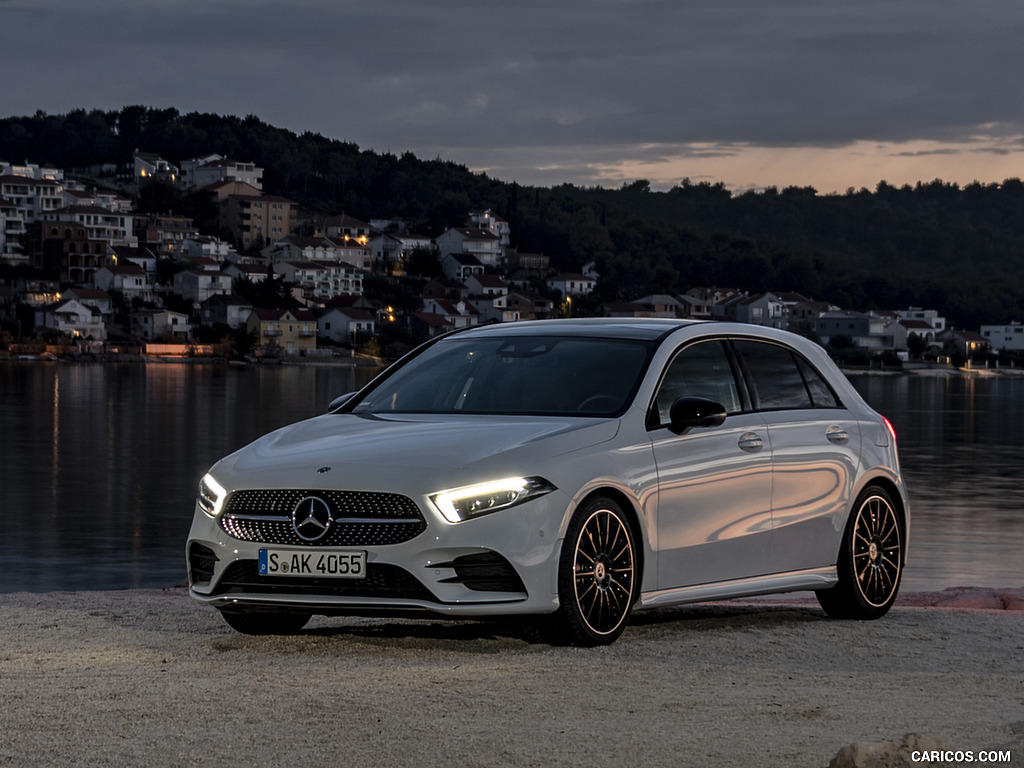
(751, 442)
(837, 435)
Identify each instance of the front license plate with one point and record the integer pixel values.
(324, 565)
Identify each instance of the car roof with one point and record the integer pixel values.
(600, 327)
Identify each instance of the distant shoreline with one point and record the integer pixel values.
(912, 369)
(340, 362)
(936, 371)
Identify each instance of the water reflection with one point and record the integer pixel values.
(99, 465)
(960, 441)
(100, 461)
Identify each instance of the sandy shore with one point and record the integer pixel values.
(147, 678)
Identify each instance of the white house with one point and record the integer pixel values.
(922, 329)
(139, 256)
(390, 250)
(460, 266)
(344, 249)
(765, 309)
(484, 245)
(97, 224)
(887, 332)
(149, 166)
(91, 297)
(12, 230)
(211, 169)
(228, 309)
(355, 251)
(459, 314)
(74, 318)
(569, 284)
(496, 225)
(657, 305)
(1008, 337)
(528, 305)
(344, 324)
(208, 246)
(494, 307)
(853, 325)
(112, 201)
(487, 285)
(319, 281)
(130, 280)
(152, 324)
(197, 287)
(32, 196)
(930, 316)
(344, 225)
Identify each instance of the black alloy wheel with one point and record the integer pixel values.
(870, 562)
(597, 582)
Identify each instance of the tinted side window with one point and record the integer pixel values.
(700, 370)
(821, 395)
(775, 377)
(782, 379)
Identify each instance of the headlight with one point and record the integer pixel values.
(211, 495)
(461, 504)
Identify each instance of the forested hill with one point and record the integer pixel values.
(956, 249)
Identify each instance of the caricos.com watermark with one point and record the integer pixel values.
(943, 756)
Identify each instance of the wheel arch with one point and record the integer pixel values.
(629, 508)
(868, 591)
(893, 488)
(896, 494)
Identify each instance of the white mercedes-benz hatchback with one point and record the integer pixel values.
(569, 470)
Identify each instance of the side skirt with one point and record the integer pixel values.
(794, 581)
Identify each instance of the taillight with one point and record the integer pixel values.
(890, 428)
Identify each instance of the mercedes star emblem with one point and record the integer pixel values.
(312, 518)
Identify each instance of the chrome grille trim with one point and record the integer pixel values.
(360, 518)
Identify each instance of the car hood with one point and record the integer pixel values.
(407, 451)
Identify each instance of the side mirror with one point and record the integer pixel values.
(688, 412)
(339, 401)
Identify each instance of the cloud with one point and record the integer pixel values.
(539, 85)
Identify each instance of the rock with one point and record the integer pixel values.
(888, 754)
(968, 598)
(978, 599)
(862, 755)
(1013, 599)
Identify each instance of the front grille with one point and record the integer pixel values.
(361, 518)
(484, 572)
(201, 561)
(382, 581)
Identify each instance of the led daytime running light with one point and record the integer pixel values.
(474, 500)
(211, 495)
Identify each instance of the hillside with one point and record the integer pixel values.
(956, 249)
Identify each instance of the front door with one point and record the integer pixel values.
(715, 483)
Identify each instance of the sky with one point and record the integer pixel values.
(749, 93)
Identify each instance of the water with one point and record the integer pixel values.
(100, 462)
(99, 465)
(960, 441)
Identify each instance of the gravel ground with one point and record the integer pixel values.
(147, 678)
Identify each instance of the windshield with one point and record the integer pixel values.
(515, 375)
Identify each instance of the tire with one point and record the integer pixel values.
(870, 562)
(265, 622)
(597, 579)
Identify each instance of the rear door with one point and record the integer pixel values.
(815, 447)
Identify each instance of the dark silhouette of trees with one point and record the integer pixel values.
(936, 244)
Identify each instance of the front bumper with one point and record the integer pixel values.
(504, 563)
